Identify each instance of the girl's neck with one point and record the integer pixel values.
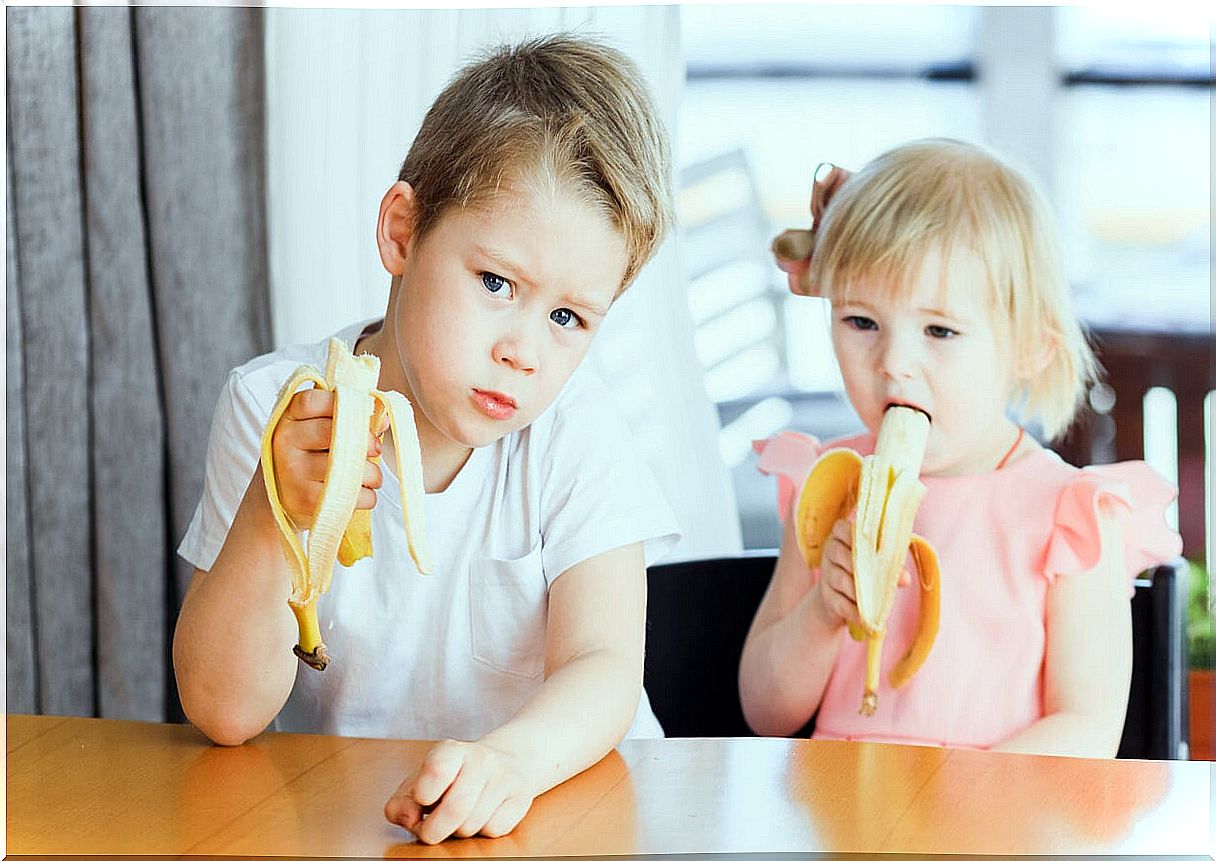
(1001, 449)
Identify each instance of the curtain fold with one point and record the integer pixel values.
(136, 280)
(44, 136)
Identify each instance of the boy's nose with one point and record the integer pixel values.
(515, 353)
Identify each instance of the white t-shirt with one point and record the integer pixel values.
(455, 653)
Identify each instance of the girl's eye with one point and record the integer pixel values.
(865, 324)
(942, 332)
(564, 317)
(495, 283)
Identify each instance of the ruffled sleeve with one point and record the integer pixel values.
(1139, 496)
(789, 456)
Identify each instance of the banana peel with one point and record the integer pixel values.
(884, 492)
(339, 532)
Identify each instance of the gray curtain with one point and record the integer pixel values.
(137, 278)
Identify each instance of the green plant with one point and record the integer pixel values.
(1200, 631)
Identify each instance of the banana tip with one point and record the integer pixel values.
(318, 658)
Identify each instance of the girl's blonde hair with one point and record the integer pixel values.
(935, 195)
(557, 111)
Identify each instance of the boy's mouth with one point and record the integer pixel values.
(494, 405)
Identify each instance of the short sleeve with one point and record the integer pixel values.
(1139, 497)
(233, 450)
(597, 492)
(788, 455)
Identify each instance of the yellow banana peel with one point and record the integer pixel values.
(339, 532)
(885, 492)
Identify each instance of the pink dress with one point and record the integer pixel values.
(1001, 538)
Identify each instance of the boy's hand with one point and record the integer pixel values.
(301, 456)
(835, 594)
(461, 788)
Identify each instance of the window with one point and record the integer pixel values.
(1119, 138)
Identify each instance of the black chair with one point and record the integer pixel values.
(698, 614)
(1156, 726)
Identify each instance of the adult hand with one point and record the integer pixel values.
(793, 248)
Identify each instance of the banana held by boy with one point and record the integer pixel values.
(885, 491)
(339, 532)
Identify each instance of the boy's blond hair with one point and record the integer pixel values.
(558, 110)
(939, 194)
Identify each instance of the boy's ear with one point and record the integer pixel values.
(395, 226)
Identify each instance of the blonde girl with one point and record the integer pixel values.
(947, 293)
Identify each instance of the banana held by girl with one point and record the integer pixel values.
(885, 491)
(340, 532)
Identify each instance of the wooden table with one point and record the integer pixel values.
(79, 785)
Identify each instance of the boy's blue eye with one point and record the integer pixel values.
(942, 332)
(494, 283)
(859, 322)
(564, 317)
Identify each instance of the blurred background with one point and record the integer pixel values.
(1108, 109)
(189, 187)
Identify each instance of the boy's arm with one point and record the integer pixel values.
(789, 651)
(232, 652)
(1088, 663)
(593, 680)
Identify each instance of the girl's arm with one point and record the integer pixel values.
(594, 646)
(1088, 663)
(232, 645)
(790, 648)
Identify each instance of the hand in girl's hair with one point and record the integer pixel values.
(834, 596)
(792, 249)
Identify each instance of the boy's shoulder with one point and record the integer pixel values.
(263, 375)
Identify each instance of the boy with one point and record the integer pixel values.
(537, 187)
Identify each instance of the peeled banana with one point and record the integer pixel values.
(340, 532)
(885, 491)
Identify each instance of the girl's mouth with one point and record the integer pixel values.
(494, 405)
(910, 406)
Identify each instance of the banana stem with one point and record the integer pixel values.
(869, 699)
(310, 649)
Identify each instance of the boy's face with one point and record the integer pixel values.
(496, 307)
(934, 347)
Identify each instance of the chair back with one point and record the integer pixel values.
(699, 612)
(1156, 724)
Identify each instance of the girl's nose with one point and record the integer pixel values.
(898, 360)
(516, 351)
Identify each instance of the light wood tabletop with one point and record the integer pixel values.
(88, 786)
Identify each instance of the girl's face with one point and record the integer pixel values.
(496, 306)
(934, 347)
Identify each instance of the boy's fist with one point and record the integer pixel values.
(461, 788)
(301, 456)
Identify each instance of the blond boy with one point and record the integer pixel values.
(537, 187)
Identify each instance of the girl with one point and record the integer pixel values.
(947, 294)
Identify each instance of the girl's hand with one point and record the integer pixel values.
(834, 595)
(301, 456)
(461, 788)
